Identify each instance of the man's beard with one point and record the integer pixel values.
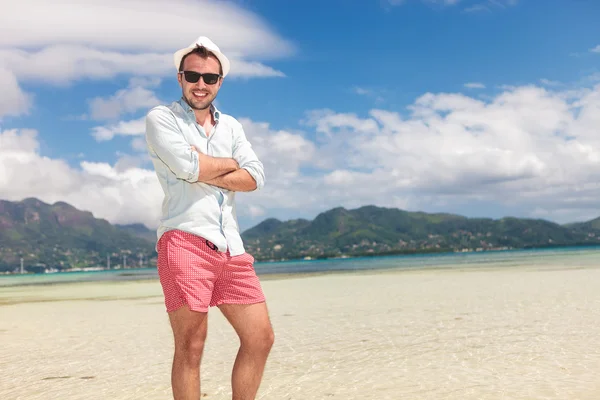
(189, 102)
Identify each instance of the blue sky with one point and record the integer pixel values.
(484, 108)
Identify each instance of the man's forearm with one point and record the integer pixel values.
(237, 181)
(213, 167)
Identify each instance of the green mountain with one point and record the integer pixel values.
(139, 230)
(62, 237)
(589, 226)
(376, 230)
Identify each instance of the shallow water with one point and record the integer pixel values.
(556, 256)
(529, 332)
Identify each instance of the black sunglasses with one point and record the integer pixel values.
(193, 77)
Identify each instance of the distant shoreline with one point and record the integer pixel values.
(279, 269)
(417, 252)
(422, 252)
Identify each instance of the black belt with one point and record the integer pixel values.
(211, 245)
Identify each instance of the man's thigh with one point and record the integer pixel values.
(186, 323)
(189, 329)
(248, 320)
(238, 283)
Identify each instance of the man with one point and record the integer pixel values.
(201, 158)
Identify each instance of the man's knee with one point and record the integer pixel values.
(191, 348)
(261, 340)
(195, 344)
(268, 338)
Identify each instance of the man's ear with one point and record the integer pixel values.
(179, 80)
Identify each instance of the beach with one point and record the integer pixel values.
(495, 332)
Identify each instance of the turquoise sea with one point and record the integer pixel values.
(555, 257)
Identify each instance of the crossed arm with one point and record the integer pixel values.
(164, 138)
(224, 173)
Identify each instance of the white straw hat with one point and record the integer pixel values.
(210, 46)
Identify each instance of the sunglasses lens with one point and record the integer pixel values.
(191, 76)
(210, 79)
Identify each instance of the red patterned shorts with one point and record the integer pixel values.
(193, 271)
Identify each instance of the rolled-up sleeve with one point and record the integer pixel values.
(245, 156)
(165, 140)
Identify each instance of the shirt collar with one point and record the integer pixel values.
(190, 111)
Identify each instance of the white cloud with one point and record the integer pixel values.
(284, 155)
(443, 2)
(65, 63)
(100, 39)
(477, 8)
(245, 69)
(123, 195)
(256, 211)
(503, 3)
(490, 5)
(540, 146)
(134, 127)
(139, 144)
(145, 25)
(474, 85)
(433, 2)
(376, 95)
(124, 101)
(485, 5)
(549, 82)
(145, 82)
(328, 122)
(362, 91)
(595, 49)
(281, 152)
(13, 100)
(336, 134)
(126, 192)
(530, 150)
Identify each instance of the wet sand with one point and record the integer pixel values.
(495, 333)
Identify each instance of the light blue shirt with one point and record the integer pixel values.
(188, 205)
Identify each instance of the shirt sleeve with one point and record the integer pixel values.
(245, 156)
(164, 138)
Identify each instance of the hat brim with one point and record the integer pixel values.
(225, 64)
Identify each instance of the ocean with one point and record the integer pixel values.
(582, 256)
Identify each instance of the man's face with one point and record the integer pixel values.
(200, 95)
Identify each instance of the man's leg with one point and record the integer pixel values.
(189, 330)
(252, 325)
